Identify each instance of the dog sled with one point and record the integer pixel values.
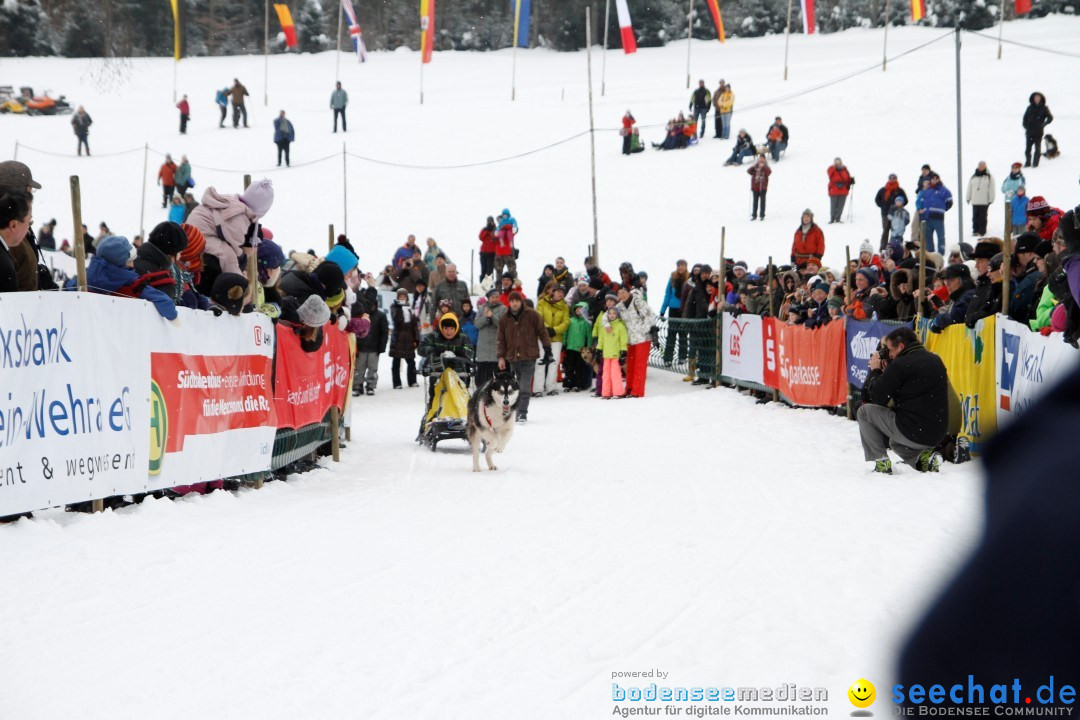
(446, 416)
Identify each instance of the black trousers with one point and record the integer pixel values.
(341, 112)
(183, 123)
(224, 110)
(485, 371)
(487, 264)
(167, 192)
(978, 219)
(676, 335)
(886, 231)
(719, 126)
(759, 195)
(283, 146)
(1033, 141)
(395, 370)
(626, 145)
(237, 112)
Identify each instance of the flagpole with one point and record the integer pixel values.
(603, 63)
(592, 133)
(266, 53)
(421, 77)
(174, 66)
(959, 138)
(1001, 27)
(689, 37)
(787, 37)
(337, 64)
(885, 43)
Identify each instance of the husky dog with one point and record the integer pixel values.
(492, 411)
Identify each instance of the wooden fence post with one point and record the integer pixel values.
(335, 441)
(98, 504)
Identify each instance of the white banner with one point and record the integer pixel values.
(743, 358)
(100, 396)
(74, 391)
(211, 407)
(1027, 365)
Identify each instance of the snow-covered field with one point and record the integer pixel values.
(695, 532)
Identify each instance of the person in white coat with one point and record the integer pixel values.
(980, 193)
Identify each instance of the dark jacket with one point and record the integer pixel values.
(456, 292)
(283, 131)
(885, 199)
(700, 99)
(406, 334)
(918, 386)
(81, 123)
(1023, 300)
(154, 265)
(1037, 117)
(698, 306)
(408, 277)
(377, 337)
(8, 278)
(518, 336)
(434, 345)
(899, 306)
(985, 302)
(955, 311)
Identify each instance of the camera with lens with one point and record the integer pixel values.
(883, 353)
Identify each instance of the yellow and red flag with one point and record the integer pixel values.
(427, 29)
(714, 8)
(918, 10)
(178, 28)
(285, 17)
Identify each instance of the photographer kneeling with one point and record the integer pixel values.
(904, 372)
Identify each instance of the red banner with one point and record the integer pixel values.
(209, 394)
(307, 384)
(807, 366)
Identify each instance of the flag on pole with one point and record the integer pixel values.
(427, 29)
(714, 8)
(918, 10)
(1023, 7)
(178, 28)
(522, 11)
(354, 30)
(285, 17)
(629, 42)
(808, 15)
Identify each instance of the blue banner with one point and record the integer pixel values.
(863, 339)
(522, 38)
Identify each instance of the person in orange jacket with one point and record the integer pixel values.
(840, 182)
(809, 242)
(166, 178)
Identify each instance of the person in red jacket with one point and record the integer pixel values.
(840, 182)
(1042, 218)
(487, 249)
(185, 113)
(759, 184)
(809, 242)
(627, 131)
(166, 178)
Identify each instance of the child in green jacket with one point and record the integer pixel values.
(612, 343)
(577, 374)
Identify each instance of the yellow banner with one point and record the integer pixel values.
(969, 359)
(177, 36)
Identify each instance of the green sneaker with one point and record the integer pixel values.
(884, 466)
(929, 461)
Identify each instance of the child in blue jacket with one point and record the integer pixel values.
(110, 273)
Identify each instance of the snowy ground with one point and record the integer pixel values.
(653, 207)
(719, 540)
(693, 531)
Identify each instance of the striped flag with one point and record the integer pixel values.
(808, 15)
(1023, 7)
(178, 13)
(714, 8)
(285, 17)
(629, 42)
(522, 11)
(918, 10)
(427, 29)
(354, 30)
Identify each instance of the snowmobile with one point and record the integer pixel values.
(8, 102)
(43, 104)
(445, 417)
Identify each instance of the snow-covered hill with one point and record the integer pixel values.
(653, 208)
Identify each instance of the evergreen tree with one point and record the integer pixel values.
(24, 29)
(311, 28)
(83, 34)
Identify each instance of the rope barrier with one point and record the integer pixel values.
(469, 165)
(1024, 45)
(69, 155)
(254, 172)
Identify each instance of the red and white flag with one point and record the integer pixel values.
(807, 16)
(629, 43)
(1023, 7)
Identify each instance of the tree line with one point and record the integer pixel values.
(138, 28)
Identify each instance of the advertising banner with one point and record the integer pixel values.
(74, 391)
(969, 357)
(211, 401)
(742, 348)
(307, 384)
(807, 366)
(863, 340)
(1027, 364)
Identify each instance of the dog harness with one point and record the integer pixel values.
(506, 414)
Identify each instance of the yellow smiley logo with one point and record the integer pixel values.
(862, 693)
